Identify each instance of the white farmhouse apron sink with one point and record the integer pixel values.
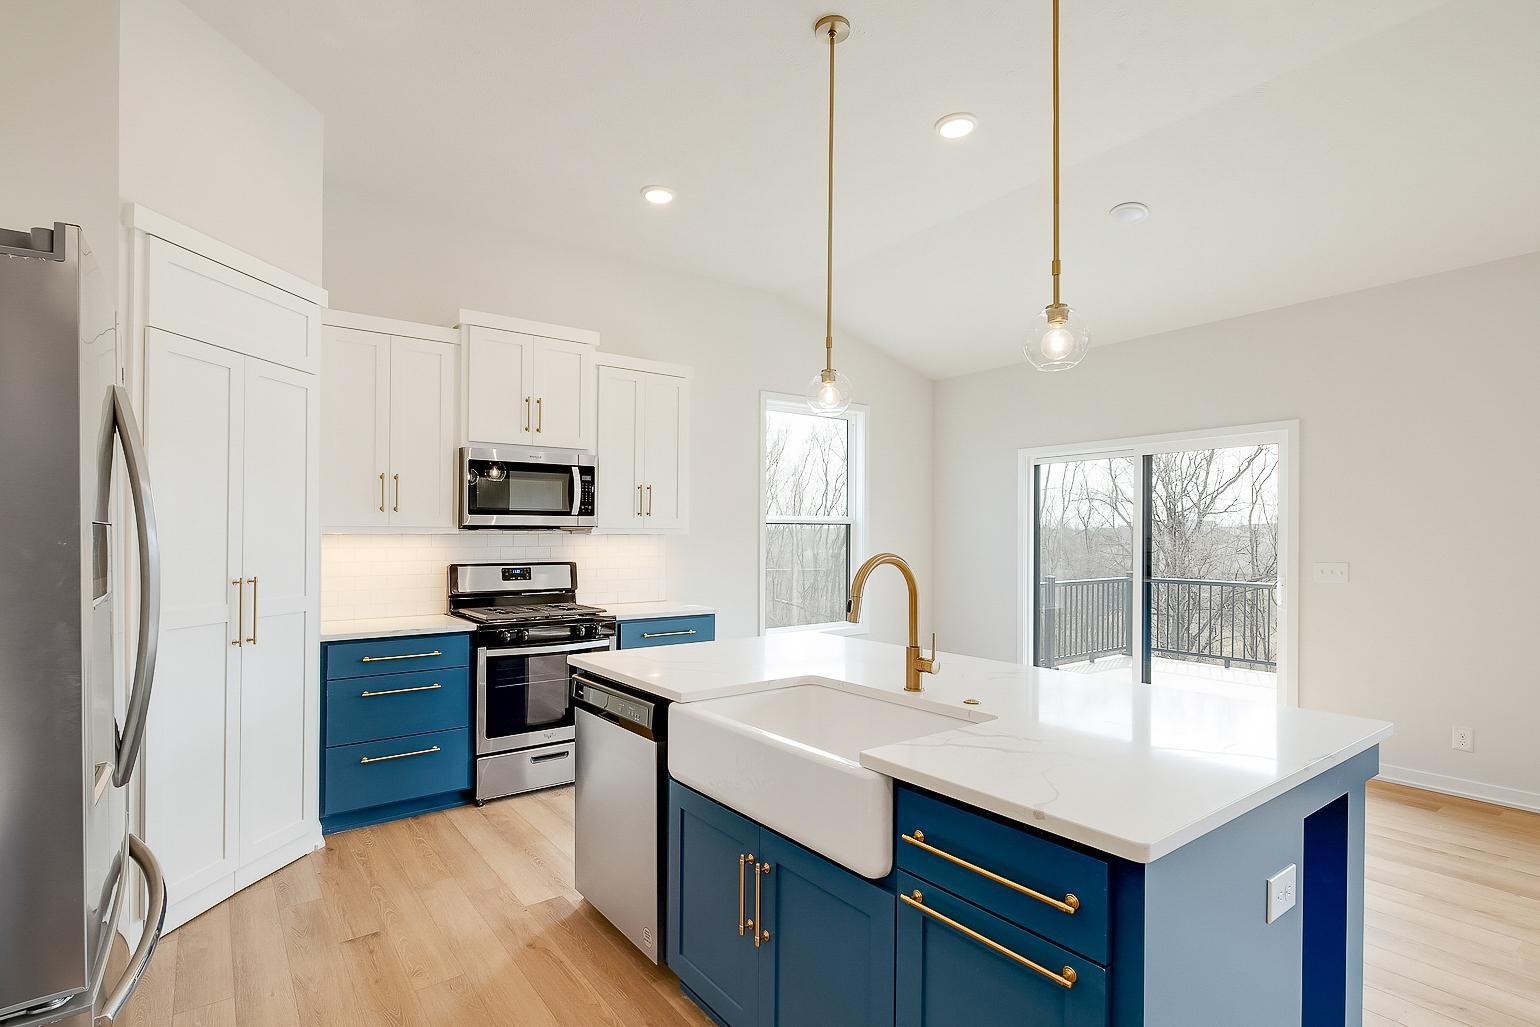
(788, 758)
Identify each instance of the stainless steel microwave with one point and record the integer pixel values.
(526, 487)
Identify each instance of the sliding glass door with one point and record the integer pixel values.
(1161, 563)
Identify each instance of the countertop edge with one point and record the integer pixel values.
(394, 627)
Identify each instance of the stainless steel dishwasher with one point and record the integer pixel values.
(618, 864)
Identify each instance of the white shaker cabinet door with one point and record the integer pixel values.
(279, 740)
(355, 442)
(618, 503)
(564, 394)
(422, 433)
(499, 403)
(665, 452)
(194, 395)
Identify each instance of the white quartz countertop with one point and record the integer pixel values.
(1136, 771)
(393, 627)
(664, 608)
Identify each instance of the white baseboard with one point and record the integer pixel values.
(1479, 790)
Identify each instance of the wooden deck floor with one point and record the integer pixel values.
(469, 917)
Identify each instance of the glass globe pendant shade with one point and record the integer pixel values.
(1059, 341)
(828, 393)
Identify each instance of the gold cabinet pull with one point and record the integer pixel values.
(252, 638)
(403, 656)
(539, 416)
(667, 634)
(382, 492)
(397, 507)
(240, 609)
(760, 934)
(1067, 905)
(649, 500)
(399, 755)
(400, 691)
(1065, 978)
(526, 413)
(743, 861)
(638, 501)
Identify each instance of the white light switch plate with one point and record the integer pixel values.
(1331, 573)
(1282, 892)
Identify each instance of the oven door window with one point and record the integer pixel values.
(496, 487)
(526, 693)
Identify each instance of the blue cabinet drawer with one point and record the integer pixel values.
(637, 634)
(374, 773)
(396, 655)
(985, 854)
(959, 964)
(365, 709)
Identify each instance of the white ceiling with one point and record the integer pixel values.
(1288, 149)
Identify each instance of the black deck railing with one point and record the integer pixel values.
(1225, 622)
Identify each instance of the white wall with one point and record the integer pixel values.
(382, 258)
(209, 138)
(59, 120)
(1417, 443)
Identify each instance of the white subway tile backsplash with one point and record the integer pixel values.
(405, 575)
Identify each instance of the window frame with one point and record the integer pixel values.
(855, 506)
(1283, 434)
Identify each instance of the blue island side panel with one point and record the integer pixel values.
(1210, 957)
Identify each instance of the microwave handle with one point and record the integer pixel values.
(577, 490)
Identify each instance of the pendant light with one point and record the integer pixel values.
(1060, 339)
(829, 391)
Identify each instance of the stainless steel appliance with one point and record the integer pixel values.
(64, 759)
(528, 624)
(526, 487)
(618, 809)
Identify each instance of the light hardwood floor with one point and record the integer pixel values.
(468, 917)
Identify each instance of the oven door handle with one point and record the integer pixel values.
(593, 646)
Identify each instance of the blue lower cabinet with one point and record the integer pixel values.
(825, 935)
(958, 964)
(829, 955)
(640, 634)
(396, 769)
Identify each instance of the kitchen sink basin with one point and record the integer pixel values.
(787, 758)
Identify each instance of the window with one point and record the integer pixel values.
(812, 494)
(1162, 560)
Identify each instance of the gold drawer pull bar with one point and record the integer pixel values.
(399, 755)
(403, 656)
(743, 861)
(1068, 905)
(400, 691)
(1065, 978)
(667, 634)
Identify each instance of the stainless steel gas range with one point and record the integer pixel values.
(528, 623)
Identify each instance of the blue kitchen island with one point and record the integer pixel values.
(1062, 850)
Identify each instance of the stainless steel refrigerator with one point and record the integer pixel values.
(65, 758)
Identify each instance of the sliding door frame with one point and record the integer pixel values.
(1283, 434)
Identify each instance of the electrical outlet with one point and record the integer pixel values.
(1464, 739)
(1282, 892)
(1331, 573)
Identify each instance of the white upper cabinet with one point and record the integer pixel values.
(388, 451)
(643, 448)
(527, 383)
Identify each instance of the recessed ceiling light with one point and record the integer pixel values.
(1129, 212)
(955, 126)
(657, 194)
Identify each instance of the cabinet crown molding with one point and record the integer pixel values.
(389, 326)
(541, 329)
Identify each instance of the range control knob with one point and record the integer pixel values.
(585, 630)
(513, 635)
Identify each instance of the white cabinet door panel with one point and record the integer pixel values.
(355, 442)
(618, 504)
(562, 373)
(422, 433)
(278, 722)
(665, 455)
(193, 431)
(498, 397)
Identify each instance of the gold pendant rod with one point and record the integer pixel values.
(828, 302)
(1055, 266)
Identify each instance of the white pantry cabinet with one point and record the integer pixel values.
(524, 388)
(388, 445)
(643, 447)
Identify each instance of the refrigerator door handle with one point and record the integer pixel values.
(125, 428)
(154, 922)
